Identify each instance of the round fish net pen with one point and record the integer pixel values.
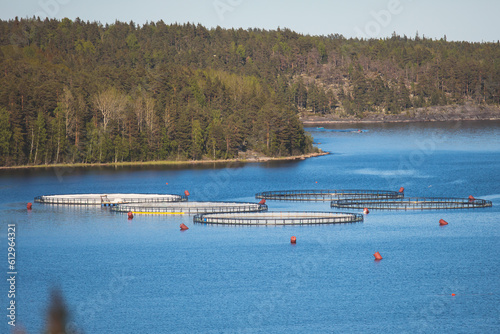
(278, 218)
(412, 203)
(189, 207)
(108, 199)
(327, 194)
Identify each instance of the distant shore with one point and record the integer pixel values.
(467, 112)
(171, 163)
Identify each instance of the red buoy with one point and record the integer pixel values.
(377, 256)
(29, 206)
(401, 190)
(366, 211)
(453, 294)
(471, 198)
(262, 202)
(443, 222)
(184, 227)
(186, 192)
(293, 240)
(130, 215)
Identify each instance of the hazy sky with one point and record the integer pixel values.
(457, 19)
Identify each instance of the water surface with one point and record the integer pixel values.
(146, 276)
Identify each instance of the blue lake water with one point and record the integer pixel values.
(146, 276)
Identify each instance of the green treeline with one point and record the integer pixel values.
(74, 91)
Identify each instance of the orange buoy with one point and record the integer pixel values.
(443, 222)
(262, 201)
(166, 183)
(29, 206)
(293, 240)
(471, 198)
(316, 181)
(453, 294)
(186, 193)
(401, 190)
(184, 227)
(130, 215)
(377, 256)
(366, 211)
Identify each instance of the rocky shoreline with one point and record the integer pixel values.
(180, 163)
(467, 112)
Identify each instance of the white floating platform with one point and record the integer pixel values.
(189, 207)
(108, 199)
(279, 218)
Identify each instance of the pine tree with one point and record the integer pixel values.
(58, 127)
(197, 145)
(40, 137)
(5, 135)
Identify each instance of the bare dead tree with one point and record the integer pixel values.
(144, 109)
(68, 105)
(139, 112)
(149, 108)
(111, 104)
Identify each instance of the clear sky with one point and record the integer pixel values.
(457, 19)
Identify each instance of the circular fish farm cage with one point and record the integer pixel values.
(189, 207)
(108, 199)
(327, 195)
(412, 203)
(278, 218)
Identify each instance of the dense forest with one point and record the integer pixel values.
(75, 91)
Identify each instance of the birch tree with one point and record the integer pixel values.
(144, 109)
(111, 104)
